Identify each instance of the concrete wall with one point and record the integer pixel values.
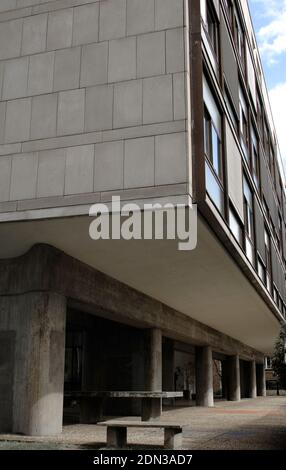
(92, 99)
(32, 334)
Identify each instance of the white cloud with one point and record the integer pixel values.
(278, 104)
(272, 37)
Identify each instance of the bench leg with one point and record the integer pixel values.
(151, 408)
(116, 437)
(91, 410)
(172, 439)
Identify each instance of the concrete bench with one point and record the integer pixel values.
(92, 402)
(117, 432)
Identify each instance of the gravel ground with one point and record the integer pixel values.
(258, 424)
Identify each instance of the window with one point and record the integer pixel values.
(229, 11)
(280, 303)
(280, 238)
(213, 149)
(261, 270)
(230, 108)
(275, 295)
(268, 259)
(212, 27)
(259, 113)
(271, 162)
(255, 158)
(265, 207)
(212, 145)
(248, 220)
(239, 39)
(243, 125)
(235, 225)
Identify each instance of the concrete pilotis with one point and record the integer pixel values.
(153, 360)
(153, 372)
(204, 376)
(34, 326)
(234, 393)
(261, 381)
(252, 380)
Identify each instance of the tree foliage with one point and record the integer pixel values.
(278, 360)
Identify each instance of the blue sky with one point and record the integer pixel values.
(269, 19)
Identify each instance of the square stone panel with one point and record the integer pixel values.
(24, 176)
(140, 16)
(51, 173)
(85, 26)
(71, 112)
(139, 167)
(79, 170)
(108, 171)
(151, 54)
(128, 104)
(5, 178)
(41, 73)
(15, 78)
(44, 116)
(122, 59)
(175, 58)
(34, 34)
(170, 159)
(18, 119)
(99, 103)
(60, 25)
(67, 69)
(2, 120)
(157, 99)
(10, 38)
(169, 13)
(112, 19)
(94, 64)
(180, 98)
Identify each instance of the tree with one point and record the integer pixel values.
(279, 358)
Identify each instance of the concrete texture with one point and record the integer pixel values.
(34, 404)
(101, 68)
(248, 425)
(233, 374)
(204, 377)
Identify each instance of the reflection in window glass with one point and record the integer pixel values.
(213, 188)
(216, 152)
(235, 226)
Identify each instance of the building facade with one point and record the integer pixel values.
(152, 101)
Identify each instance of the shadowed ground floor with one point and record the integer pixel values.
(258, 424)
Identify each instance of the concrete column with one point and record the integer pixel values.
(261, 381)
(204, 376)
(233, 378)
(252, 380)
(153, 360)
(168, 365)
(224, 379)
(34, 324)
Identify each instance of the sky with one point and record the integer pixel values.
(269, 19)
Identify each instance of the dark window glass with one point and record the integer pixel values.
(248, 220)
(268, 259)
(235, 225)
(212, 27)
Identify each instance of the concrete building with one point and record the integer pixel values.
(152, 100)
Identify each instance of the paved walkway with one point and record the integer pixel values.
(250, 424)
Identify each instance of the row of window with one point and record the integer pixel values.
(214, 175)
(244, 126)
